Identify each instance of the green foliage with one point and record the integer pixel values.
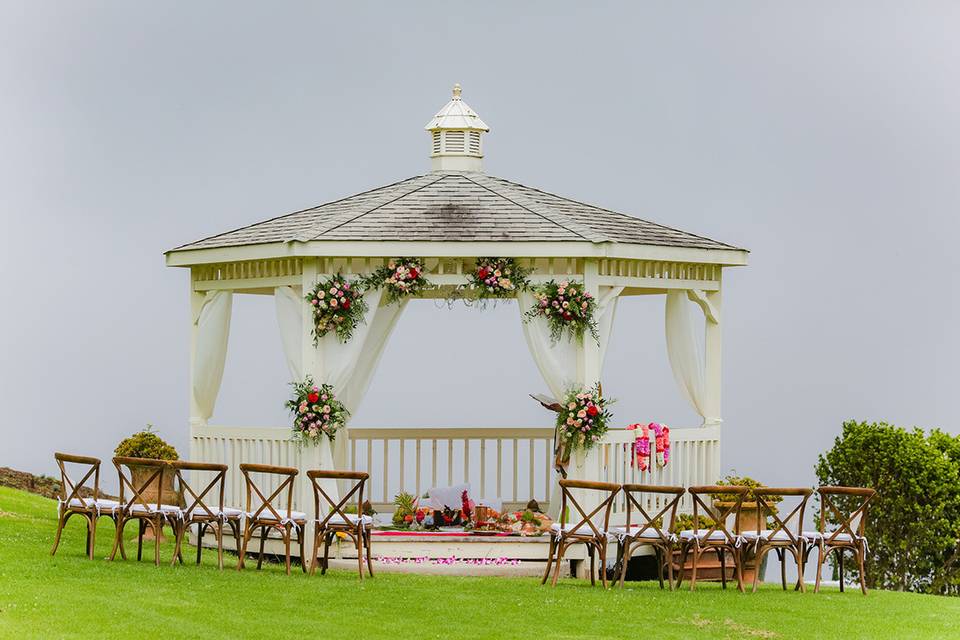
(684, 522)
(146, 444)
(404, 503)
(743, 481)
(913, 522)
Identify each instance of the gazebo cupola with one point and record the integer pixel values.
(456, 137)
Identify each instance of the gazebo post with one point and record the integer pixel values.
(196, 303)
(309, 454)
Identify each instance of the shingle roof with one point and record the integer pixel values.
(457, 206)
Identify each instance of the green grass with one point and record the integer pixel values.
(67, 595)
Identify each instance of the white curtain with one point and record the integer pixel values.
(557, 362)
(347, 366)
(684, 351)
(210, 351)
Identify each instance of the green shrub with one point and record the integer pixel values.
(913, 522)
(744, 481)
(146, 444)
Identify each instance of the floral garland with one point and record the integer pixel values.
(582, 420)
(337, 304)
(316, 411)
(401, 277)
(567, 308)
(497, 278)
(641, 445)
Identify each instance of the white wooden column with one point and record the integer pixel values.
(309, 453)
(196, 304)
(712, 360)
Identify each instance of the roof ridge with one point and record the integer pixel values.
(536, 209)
(619, 214)
(382, 203)
(293, 213)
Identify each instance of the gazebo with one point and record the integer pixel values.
(449, 217)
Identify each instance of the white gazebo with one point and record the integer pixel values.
(449, 217)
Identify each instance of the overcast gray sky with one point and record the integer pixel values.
(822, 136)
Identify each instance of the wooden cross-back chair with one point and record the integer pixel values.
(647, 531)
(73, 502)
(584, 530)
(718, 537)
(786, 533)
(146, 512)
(331, 519)
(205, 508)
(849, 532)
(275, 512)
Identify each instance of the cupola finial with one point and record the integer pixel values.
(456, 136)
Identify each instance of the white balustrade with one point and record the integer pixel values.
(514, 464)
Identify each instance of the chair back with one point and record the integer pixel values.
(790, 524)
(272, 506)
(155, 472)
(671, 500)
(608, 492)
(848, 506)
(71, 489)
(720, 513)
(209, 502)
(336, 508)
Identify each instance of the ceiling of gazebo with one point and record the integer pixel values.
(458, 206)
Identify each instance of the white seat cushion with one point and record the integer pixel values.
(583, 530)
(336, 518)
(227, 512)
(152, 508)
(716, 536)
(816, 536)
(767, 534)
(266, 514)
(635, 529)
(103, 503)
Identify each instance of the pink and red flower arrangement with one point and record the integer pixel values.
(567, 309)
(401, 277)
(582, 420)
(498, 278)
(641, 445)
(338, 305)
(316, 411)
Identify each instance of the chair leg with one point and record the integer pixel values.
(201, 529)
(757, 561)
(369, 558)
(798, 556)
(684, 552)
(87, 548)
(624, 551)
(220, 526)
(593, 582)
(693, 568)
(315, 559)
(118, 538)
(326, 552)
(123, 549)
(286, 547)
(264, 531)
(93, 534)
(247, 533)
(61, 521)
(816, 587)
(359, 544)
(561, 549)
(722, 557)
(782, 556)
(658, 553)
(301, 535)
(141, 525)
(180, 532)
(603, 564)
(669, 554)
(738, 561)
(840, 562)
(157, 528)
(861, 561)
(546, 574)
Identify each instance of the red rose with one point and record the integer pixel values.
(313, 397)
(566, 315)
(346, 304)
(592, 410)
(483, 273)
(414, 273)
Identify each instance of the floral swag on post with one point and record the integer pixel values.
(641, 445)
(316, 412)
(494, 278)
(338, 305)
(401, 277)
(582, 421)
(567, 308)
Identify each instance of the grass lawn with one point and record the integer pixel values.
(67, 595)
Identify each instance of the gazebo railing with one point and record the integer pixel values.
(513, 464)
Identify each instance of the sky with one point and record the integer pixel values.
(823, 137)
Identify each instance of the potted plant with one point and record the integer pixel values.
(749, 511)
(147, 444)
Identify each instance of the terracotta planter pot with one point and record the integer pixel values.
(152, 491)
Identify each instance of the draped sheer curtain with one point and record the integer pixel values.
(212, 324)
(347, 366)
(685, 352)
(558, 361)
